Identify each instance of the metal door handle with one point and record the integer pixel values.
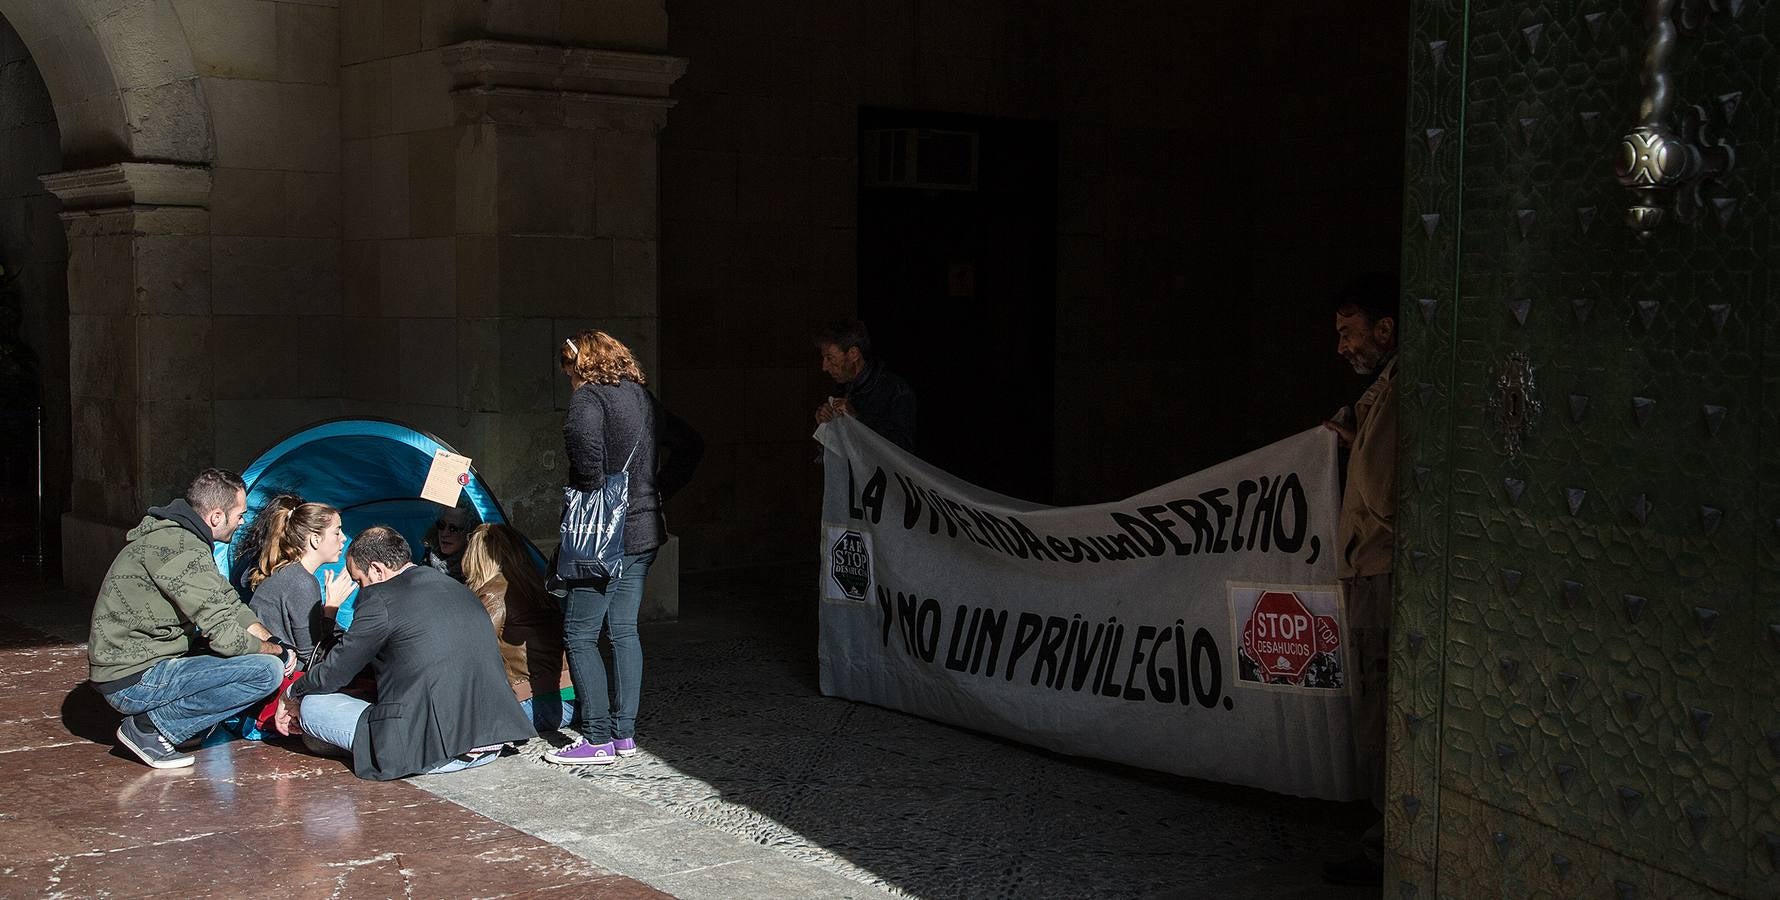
(1661, 168)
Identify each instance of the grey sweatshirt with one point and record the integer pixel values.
(288, 603)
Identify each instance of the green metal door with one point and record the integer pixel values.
(1587, 631)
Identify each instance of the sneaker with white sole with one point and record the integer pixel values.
(149, 745)
(582, 753)
(626, 746)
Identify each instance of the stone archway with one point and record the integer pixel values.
(121, 77)
(136, 140)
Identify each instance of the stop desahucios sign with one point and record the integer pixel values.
(1281, 635)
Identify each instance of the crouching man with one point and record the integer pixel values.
(161, 596)
(443, 703)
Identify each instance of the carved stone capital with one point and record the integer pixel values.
(130, 184)
(507, 66)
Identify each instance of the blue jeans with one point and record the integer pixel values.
(549, 713)
(334, 718)
(607, 710)
(184, 696)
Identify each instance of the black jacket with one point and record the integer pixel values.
(441, 686)
(885, 403)
(605, 422)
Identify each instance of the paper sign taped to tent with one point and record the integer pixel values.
(446, 478)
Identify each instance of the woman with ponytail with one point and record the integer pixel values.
(251, 539)
(286, 597)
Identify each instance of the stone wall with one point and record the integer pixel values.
(1217, 177)
(492, 209)
(271, 76)
(412, 180)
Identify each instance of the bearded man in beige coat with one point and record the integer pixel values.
(1366, 336)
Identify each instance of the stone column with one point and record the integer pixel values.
(141, 366)
(557, 220)
(567, 193)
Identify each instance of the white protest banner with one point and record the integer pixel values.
(1195, 628)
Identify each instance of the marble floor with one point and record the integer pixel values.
(77, 819)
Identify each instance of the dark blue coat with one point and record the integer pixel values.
(885, 403)
(441, 686)
(606, 422)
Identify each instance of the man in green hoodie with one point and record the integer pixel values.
(162, 595)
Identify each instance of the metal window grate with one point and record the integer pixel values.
(922, 158)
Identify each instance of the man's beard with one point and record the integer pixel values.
(1361, 366)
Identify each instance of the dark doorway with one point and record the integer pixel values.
(35, 457)
(957, 279)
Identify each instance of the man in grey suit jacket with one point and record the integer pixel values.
(443, 702)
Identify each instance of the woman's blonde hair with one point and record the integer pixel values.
(288, 530)
(599, 358)
(497, 551)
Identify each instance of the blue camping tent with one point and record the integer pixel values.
(369, 469)
(372, 471)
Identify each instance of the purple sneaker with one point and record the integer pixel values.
(581, 753)
(626, 746)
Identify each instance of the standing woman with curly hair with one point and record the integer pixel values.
(610, 426)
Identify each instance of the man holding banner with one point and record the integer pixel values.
(1366, 336)
(872, 394)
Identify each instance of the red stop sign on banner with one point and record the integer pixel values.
(1281, 636)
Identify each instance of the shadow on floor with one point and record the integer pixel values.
(87, 716)
(738, 736)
